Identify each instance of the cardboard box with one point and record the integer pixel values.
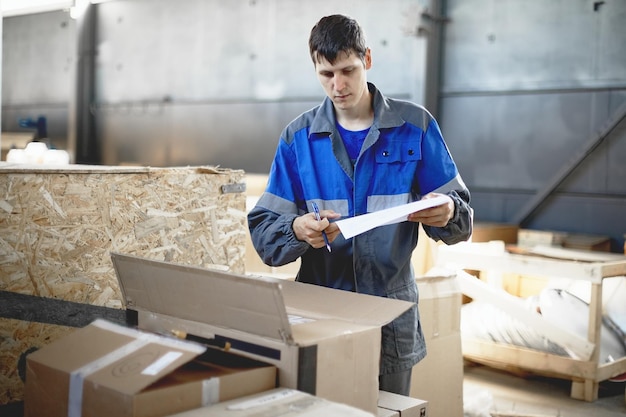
(424, 254)
(401, 405)
(105, 369)
(438, 378)
(323, 341)
(278, 402)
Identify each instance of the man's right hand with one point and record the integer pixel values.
(308, 229)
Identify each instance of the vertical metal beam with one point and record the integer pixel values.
(532, 207)
(84, 127)
(435, 18)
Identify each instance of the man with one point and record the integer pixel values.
(359, 152)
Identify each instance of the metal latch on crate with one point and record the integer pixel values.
(234, 188)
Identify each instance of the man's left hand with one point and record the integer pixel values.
(437, 216)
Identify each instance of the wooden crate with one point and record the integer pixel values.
(17, 339)
(585, 371)
(59, 225)
(529, 238)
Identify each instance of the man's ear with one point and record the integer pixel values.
(368, 58)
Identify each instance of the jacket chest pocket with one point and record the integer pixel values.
(390, 153)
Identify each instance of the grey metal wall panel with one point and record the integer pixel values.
(522, 44)
(581, 214)
(499, 206)
(610, 50)
(569, 213)
(38, 54)
(237, 50)
(528, 84)
(228, 76)
(515, 141)
(38, 58)
(242, 65)
(603, 172)
(167, 135)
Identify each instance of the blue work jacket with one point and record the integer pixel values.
(403, 158)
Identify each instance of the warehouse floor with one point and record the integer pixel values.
(533, 396)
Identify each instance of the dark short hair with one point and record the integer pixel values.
(335, 34)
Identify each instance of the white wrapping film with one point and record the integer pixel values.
(210, 391)
(161, 363)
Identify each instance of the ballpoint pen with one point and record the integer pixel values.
(316, 210)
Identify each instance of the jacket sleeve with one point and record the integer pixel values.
(440, 174)
(459, 228)
(273, 236)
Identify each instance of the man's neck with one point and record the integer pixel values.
(357, 118)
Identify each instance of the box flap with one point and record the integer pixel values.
(222, 299)
(124, 359)
(318, 302)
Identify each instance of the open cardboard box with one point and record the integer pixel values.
(324, 342)
(105, 369)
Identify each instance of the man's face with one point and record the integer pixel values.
(345, 81)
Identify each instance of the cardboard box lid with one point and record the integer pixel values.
(256, 305)
(204, 295)
(115, 356)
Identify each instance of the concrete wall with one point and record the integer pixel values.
(527, 86)
(207, 81)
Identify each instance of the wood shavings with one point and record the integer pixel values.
(17, 338)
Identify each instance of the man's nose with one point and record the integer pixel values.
(340, 82)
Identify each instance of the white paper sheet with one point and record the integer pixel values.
(356, 225)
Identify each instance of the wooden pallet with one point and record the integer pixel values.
(584, 370)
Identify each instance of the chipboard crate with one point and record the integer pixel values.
(58, 225)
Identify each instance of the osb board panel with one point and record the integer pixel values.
(17, 338)
(57, 227)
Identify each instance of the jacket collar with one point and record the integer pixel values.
(324, 121)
